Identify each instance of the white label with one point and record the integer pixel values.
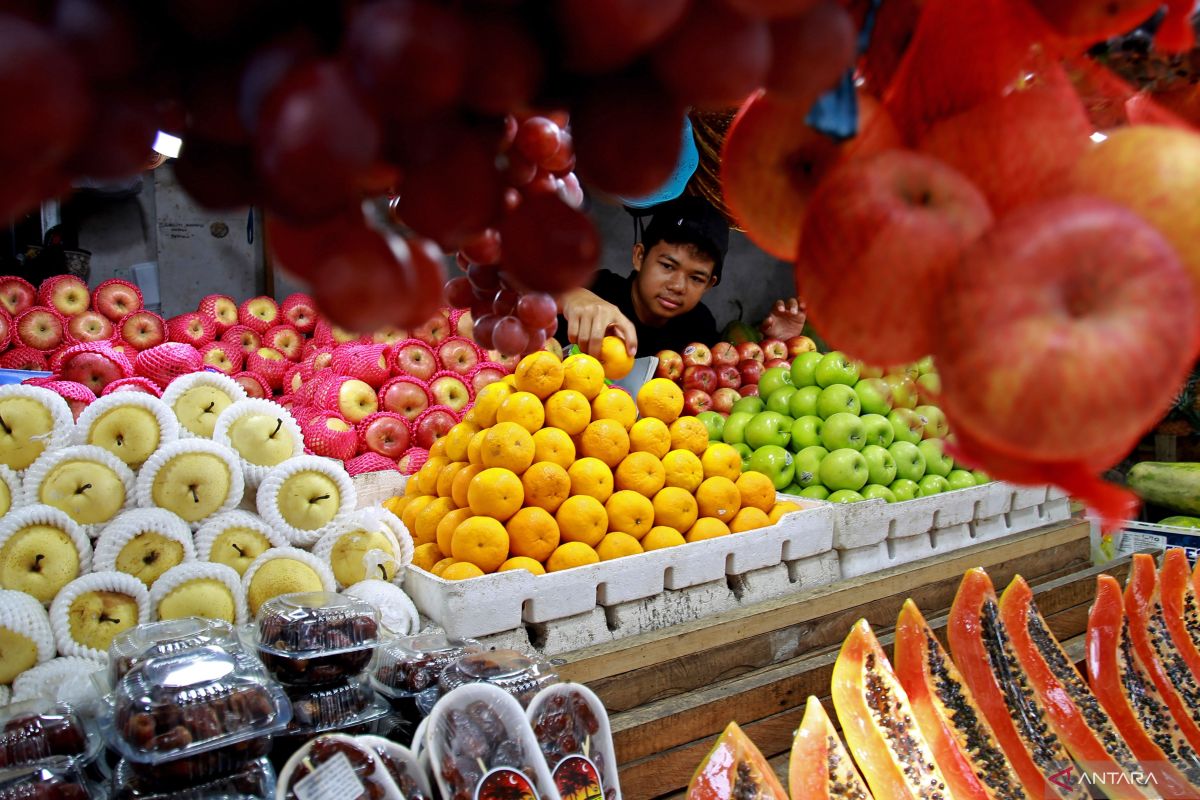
(333, 780)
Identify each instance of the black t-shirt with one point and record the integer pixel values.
(697, 325)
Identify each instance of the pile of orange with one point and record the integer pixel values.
(552, 469)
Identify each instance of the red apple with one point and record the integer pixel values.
(695, 401)
(240, 336)
(389, 335)
(142, 330)
(450, 389)
(751, 351)
(670, 365)
(223, 357)
(751, 371)
(458, 355)
(485, 373)
(66, 294)
(40, 328)
(116, 299)
(192, 328)
(259, 313)
(300, 311)
(433, 423)
(26, 358)
(285, 339)
(773, 348)
(220, 309)
(385, 433)
(697, 355)
(725, 354)
(415, 358)
(328, 433)
(465, 325)
(5, 329)
(406, 396)
(433, 331)
(799, 344)
(729, 376)
(253, 384)
(750, 390)
(700, 377)
(90, 326)
(93, 370)
(777, 362)
(724, 398)
(16, 294)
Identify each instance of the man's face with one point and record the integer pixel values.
(671, 278)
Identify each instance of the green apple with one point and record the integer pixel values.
(929, 387)
(960, 479)
(734, 431)
(816, 492)
(936, 460)
(748, 405)
(932, 484)
(906, 425)
(845, 496)
(878, 430)
(873, 491)
(774, 378)
(980, 477)
(25, 428)
(38, 560)
(774, 462)
(804, 368)
(844, 469)
(925, 366)
(843, 430)
(808, 465)
(804, 402)
(192, 485)
(780, 399)
(881, 466)
(129, 432)
(837, 398)
(904, 489)
(936, 426)
(308, 500)
(910, 461)
(745, 452)
(793, 489)
(1180, 521)
(714, 422)
(874, 395)
(910, 371)
(904, 391)
(261, 439)
(834, 368)
(806, 432)
(768, 427)
(89, 491)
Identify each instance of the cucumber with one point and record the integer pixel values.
(1173, 485)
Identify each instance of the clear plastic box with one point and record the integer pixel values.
(164, 638)
(38, 729)
(315, 638)
(517, 674)
(349, 704)
(254, 781)
(407, 669)
(56, 778)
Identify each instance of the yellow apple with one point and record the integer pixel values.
(17, 653)
(39, 560)
(357, 400)
(281, 576)
(129, 432)
(6, 499)
(25, 425)
(262, 439)
(148, 555)
(199, 597)
(237, 547)
(348, 558)
(89, 491)
(192, 485)
(198, 408)
(308, 500)
(95, 617)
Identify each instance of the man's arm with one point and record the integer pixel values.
(589, 318)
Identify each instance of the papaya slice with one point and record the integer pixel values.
(1129, 697)
(817, 745)
(963, 744)
(1154, 651)
(879, 724)
(735, 770)
(1072, 710)
(1181, 609)
(984, 656)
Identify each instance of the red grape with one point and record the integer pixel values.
(362, 284)
(483, 247)
(299, 249)
(504, 65)
(563, 159)
(458, 293)
(603, 35)
(570, 191)
(518, 170)
(812, 51)
(715, 57)
(538, 140)
(548, 245)
(537, 310)
(484, 277)
(120, 138)
(509, 336)
(267, 67)
(484, 325)
(771, 8)
(535, 340)
(101, 35)
(505, 302)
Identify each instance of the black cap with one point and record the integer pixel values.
(688, 220)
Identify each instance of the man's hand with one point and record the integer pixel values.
(589, 319)
(785, 320)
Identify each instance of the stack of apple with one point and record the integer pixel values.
(714, 378)
(831, 428)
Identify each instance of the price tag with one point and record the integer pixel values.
(333, 780)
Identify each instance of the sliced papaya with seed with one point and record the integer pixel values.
(735, 770)
(819, 767)
(1181, 607)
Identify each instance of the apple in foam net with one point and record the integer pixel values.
(40, 328)
(259, 313)
(66, 294)
(143, 330)
(700, 377)
(93, 370)
(670, 365)
(16, 294)
(409, 398)
(223, 357)
(253, 385)
(328, 433)
(191, 328)
(485, 375)
(356, 400)
(725, 353)
(724, 398)
(386, 434)
(457, 355)
(450, 390)
(90, 326)
(220, 309)
(286, 340)
(432, 425)
(415, 359)
(697, 354)
(696, 401)
(301, 312)
(243, 337)
(433, 331)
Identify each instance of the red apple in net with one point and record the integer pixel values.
(40, 328)
(485, 373)
(16, 294)
(385, 433)
(406, 396)
(142, 330)
(90, 326)
(434, 423)
(415, 358)
(66, 294)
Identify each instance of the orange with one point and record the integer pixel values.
(415, 507)
(555, 446)
(675, 508)
(683, 469)
(571, 554)
(482, 541)
(547, 485)
(569, 411)
(411, 488)
(748, 519)
(615, 358)
(510, 380)
(539, 373)
(718, 497)
(661, 536)
(630, 512)
(458, 492)
(689, 433)
(582, 519)
(475, 447)
(495, 493)
(445, 528)
(615, 404)
(440, 566)
(520, 562)
(651, 436)
(779, 509)
(461, 571)
(591, 477)
(445, 481)
(605, 439)
(457, 440)
(707, 528)
(757, 491)
(523, 408)
(532, 532)
(721, 460)
(660, 398)
(488, 401)
(641, 472)
(617, 545)
(427, 475)
(584, 374)
(438, 448)
(427, 521)
(396, 504)
(508, 445)
(426, 555)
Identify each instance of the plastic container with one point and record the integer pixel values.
(406, 670)
(253, 781)
(346, 705)
(39, 729)
(316, 638)
(168, 637)
(194, 716)
(57, 778)
(520, 676)
(402, 765)
(573, 732)
(336, 767)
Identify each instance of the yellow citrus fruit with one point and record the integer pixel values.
(523, 408)
(426, 555)
(748, 519)
(641, 472)
(615, 358)
(779, 509)
(661, 536)
(757, 491)
(683, 469)
(461, 571)
(521, 562)
(591, 477)
(475, 447)
(445, 528)
(427, 521)
(440, 566)
(438, 448)
(706, 528)
(458, 491)
(582, 519)
(651, 436)
(605, 439)
(445, 481)
(532, 532)
(569, 411)
(718, 497)
(539, 373)
(546, 484)
(689, 433)
(552, 444)
(571, 554)
(457, 440)
(584, 374)
(508, 445)
(617, 545)
(495, 493)
(415, 507)
(615, 404)
(427, 475)
(396, 504)
(510, 380)
(630, 512)
(488, 401)
(482, 541)
(411, 489)
(721, 460)
(660, 398)
(675, 508)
